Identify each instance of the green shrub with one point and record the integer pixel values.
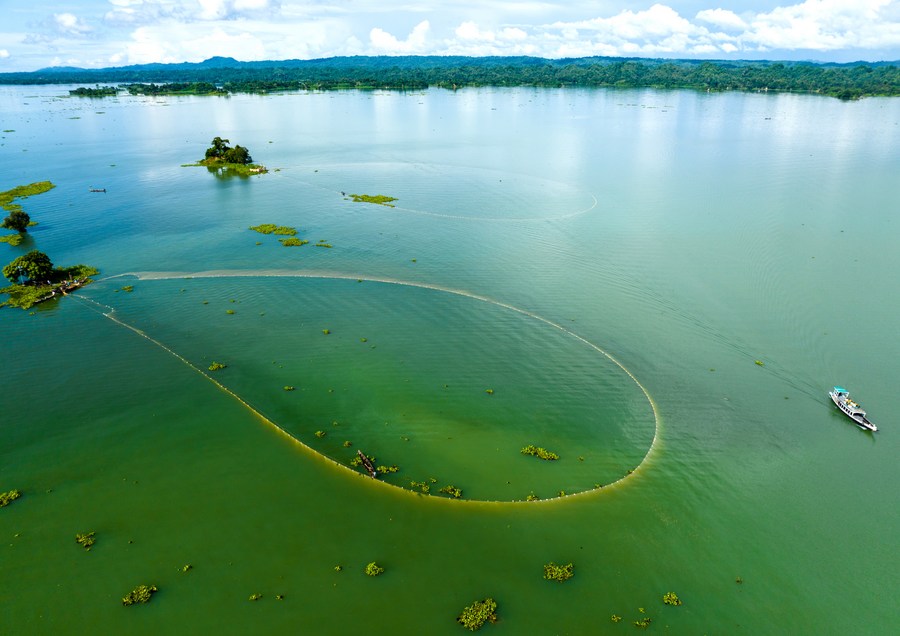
(560, 573)
(541, 453)
(7, 498)
(453, 491)
(373, 569)
(86, 540)
(478, 613)
(670, 598)
(140, 594)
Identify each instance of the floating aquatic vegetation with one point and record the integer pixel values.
(326, 331)
(539, 452)
(271, 228)
(128, 288)
(255, 597)
(339, 568)
(489, 391)
(216, 366)
(86, 539)
(320, 434)
(289, 388)
(670, 598)
(560, 573)
(739, 580)
(7, 498)
(759, 362)
(12, 239)
(324, 244)
(140, 594)
(373, 569)
(187, 568)
(279, 597)
(532, 497)
(378, 199)
(422, 486)
(347, 443)
(643, 623)
(453, 491)
(229, 311)
(615, 618)
(477, 614)
(293, 242)
(393, 468)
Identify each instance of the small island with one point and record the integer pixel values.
(18, 220)
(97, 91)
(34, 279)
(222, 158)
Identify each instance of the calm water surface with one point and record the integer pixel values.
(609, 264)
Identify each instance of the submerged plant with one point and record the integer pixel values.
(7, 498)
(140, 594)
(373, 569)
(478, 613)
(86, 540)
(670, 598)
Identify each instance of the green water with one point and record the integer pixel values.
(585, 255)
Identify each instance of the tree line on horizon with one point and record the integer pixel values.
(417, 73)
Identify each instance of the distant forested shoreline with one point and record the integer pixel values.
(220, 76)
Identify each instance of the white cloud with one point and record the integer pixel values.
(70, 24)
(722, 18)
(414, 43)
(4, 54)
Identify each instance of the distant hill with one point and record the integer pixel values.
(225, 74)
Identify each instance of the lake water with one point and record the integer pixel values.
(596, 272)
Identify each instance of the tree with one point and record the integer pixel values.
(218, 149)
(238, 154)
(17, 221)
(32, 266)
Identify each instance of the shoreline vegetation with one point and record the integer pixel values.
(220, 76)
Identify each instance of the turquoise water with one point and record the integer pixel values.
(566, 249)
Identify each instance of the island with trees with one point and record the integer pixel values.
(222, 76)
(223, 159)
(96, 91)
(34, 279)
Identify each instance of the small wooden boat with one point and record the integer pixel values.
(97, 190)
(367, 463)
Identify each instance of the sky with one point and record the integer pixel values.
(37, 34)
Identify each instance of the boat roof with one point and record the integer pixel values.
(841, 389)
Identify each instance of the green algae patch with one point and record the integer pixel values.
(293, 242)
(477, 614)
(377, 199)
(140, 594)
(217, 366)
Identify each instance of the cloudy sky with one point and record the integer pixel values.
(96, 33)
